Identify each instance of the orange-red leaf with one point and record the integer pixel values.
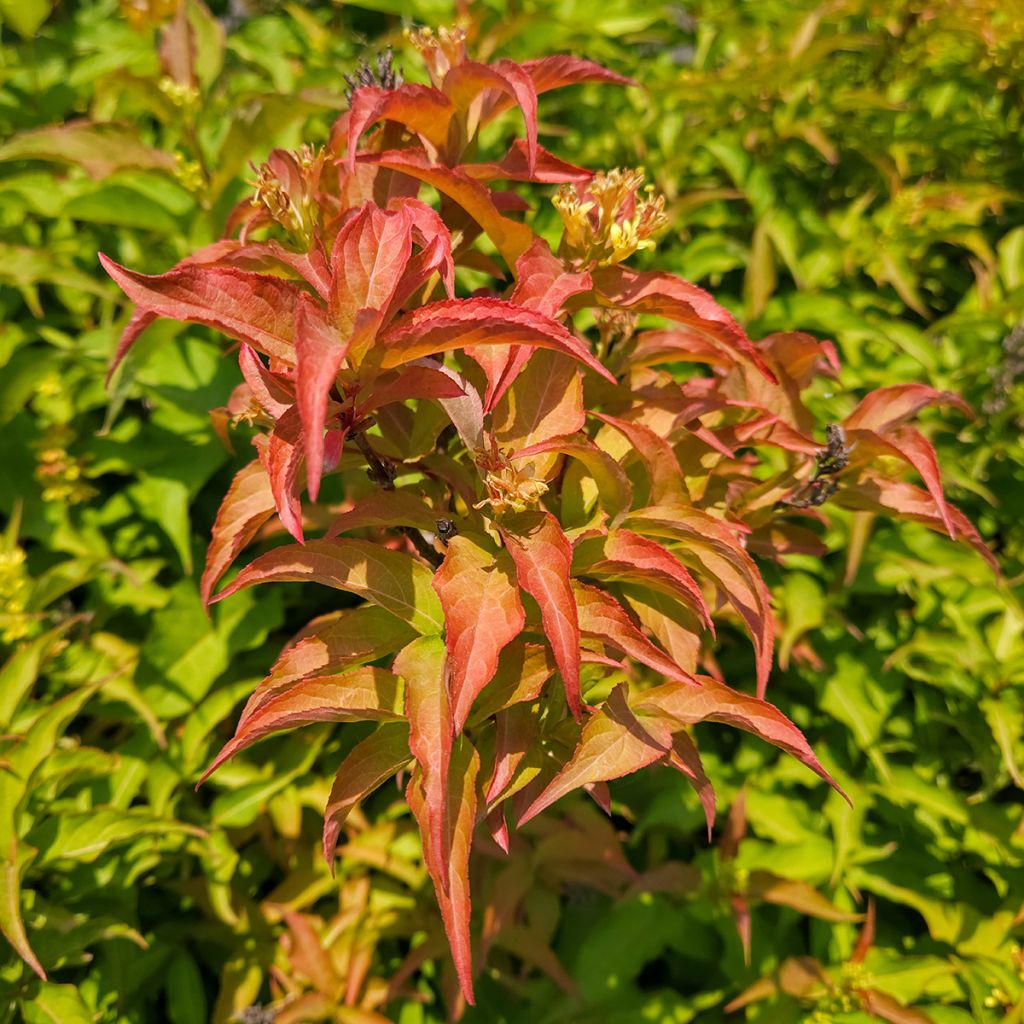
(875, 493)
(666, 475)
(886, 1008)
(413, 381)
(563, 69)
(392, 579)
(712, 547)
(669, 296)
(468, 82)
(364, 694)
(713, 701)
(423, 666)
(273, 392)
(482, 613)
(461, 323)
(866, 939)
(367, 765)
(420, 108)
(510, 237)
(603, 618)
(328, 646)
(916, 450)
(515, 735)
(515, 166)
(614, 743)
(545, 401)
(320, 350)
(624, 555)
(280, 454)
(887, 408)
(523, 669)
(248, 504)
(685, 758)
(256, 308)
(368, 260)
(543, 285)
(543, 559)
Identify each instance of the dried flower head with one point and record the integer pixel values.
(831, 461)
(610, 219)
(1006, 373)
(383, 74)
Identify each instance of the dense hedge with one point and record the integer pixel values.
(850, 169)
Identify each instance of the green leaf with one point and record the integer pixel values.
(85, 836)
(56, 1004)
(1004, 715)
(804, 605)
(186, 993)
(98, 147)
(21, 670)
(25, 16)
(16, 857)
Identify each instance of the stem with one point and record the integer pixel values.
(382, 473)
(419, 542)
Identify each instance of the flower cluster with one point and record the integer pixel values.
(610, 219)
(15, 587)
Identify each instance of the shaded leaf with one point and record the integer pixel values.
(713, 701)
(100, 148)
(320, 349)
(675, 299)
(710, 546)
(248, 504)
(613, 485)
(624, 555)
(363, 694)
(666, 476)
(685, 758)
(392, 579)
(369, 764)
(330, 645)
(423, 665)
(613, 743)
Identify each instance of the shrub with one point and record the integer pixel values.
(898, 653)
(551, 524)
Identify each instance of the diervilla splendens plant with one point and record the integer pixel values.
(543, 524)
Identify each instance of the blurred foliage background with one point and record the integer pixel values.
(848, 167)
